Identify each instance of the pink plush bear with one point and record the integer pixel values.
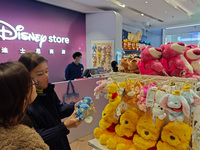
(173, 60)
(192, 54)
(149, 63)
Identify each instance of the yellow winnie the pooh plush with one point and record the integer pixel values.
(107, 125)
(125, 130)
(175, 137)
(147, 132)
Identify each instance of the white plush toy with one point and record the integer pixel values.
(158, 111)
(192, 98)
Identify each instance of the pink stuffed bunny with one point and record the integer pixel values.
(173, 60)
(192, 54)
(149, 63)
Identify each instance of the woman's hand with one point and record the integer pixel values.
(72, 122)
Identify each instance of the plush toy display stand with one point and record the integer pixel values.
(191, 121)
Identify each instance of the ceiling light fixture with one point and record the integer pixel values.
(177, 5)
(146, 2)
(142, 14)
(135, 10)
(118, 3)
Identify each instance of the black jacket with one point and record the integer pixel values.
(46, 113)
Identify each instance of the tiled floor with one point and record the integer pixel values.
(82, 144)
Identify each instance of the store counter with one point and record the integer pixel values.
(85, 87)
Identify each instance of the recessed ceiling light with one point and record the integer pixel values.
(142, 14)
(146, 2)
(165, 12)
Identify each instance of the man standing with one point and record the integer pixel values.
(75, 69)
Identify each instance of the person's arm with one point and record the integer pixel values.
(52, 135)
(67, 73)
(64, 110)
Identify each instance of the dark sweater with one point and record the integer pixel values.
(73, 71)
(46, 113)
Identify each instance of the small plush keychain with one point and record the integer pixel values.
(192, 98)
(176, 104)
(85, 110)
(158, 111)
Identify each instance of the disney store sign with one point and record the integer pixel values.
(8, 32)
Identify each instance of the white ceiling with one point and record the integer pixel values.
(163, 14)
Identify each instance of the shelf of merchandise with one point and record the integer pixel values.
(132, 51)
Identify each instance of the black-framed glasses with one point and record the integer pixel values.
(35, 81)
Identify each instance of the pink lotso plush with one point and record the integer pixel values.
(192, 54)
(173, 60)
(149, 63)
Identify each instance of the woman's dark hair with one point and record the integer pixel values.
(76, 54)
(15, 83)
(114, 66)
(31, 60)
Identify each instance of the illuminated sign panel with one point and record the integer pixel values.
(8, 32)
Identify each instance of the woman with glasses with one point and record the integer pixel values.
(47, 110)
(17, 91)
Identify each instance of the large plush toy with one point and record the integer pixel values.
(192, 54)
(107, 125)
(147, 132)
(175, 137)
(173, 60)
(177, 106)
(149, 63)
(123, 66)
(192, 98)
(125, 130)
(133, 66)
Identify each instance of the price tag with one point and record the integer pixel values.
(150, 97)
(97, 96)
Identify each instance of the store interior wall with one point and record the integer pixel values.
(103, 26)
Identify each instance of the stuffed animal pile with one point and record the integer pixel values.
(128, 123)
(171, 59)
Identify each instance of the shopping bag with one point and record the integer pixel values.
(71, 97)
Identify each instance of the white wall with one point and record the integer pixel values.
(103, 26)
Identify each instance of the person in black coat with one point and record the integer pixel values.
(47, 110)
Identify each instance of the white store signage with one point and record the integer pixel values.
(13, 33)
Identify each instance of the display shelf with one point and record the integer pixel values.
(95, 144)
(132, 51)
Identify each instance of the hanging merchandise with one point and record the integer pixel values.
(102, 52)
